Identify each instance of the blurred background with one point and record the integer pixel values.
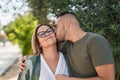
(18, 18)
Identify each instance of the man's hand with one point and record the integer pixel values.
(61, 77)
(22, 64)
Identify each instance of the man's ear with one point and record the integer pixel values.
(67, 24)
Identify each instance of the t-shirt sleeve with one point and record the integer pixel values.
(100, 51)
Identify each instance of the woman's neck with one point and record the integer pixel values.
(51, 57)
(50, 52)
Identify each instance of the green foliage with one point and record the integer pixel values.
(39, 9)
(20, 32)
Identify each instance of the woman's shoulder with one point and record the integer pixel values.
(28, 69)
(31, 57)
(30, 61)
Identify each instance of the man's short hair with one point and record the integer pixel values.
(67, 12)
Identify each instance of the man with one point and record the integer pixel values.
(89, 55)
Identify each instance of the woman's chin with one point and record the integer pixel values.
(51, 40)
(50, 43)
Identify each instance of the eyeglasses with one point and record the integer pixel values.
(45, 33)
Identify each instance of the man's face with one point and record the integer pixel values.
(60, 29)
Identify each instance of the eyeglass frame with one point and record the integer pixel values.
(43, 33)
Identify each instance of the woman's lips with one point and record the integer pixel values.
(48, 38)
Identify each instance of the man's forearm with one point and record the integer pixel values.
(105, 72)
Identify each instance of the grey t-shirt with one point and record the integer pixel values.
(87, 53)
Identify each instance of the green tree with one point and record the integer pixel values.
(20, 32)
(39, 8)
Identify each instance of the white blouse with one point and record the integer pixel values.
(47, 74)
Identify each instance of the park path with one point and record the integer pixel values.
(9, 54)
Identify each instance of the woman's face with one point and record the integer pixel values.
(46, 36)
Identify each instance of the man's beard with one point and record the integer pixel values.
(60, 40)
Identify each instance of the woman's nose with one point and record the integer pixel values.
(47, 34)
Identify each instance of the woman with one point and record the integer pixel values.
(46, 61)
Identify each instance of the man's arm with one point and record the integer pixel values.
(105, 72)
